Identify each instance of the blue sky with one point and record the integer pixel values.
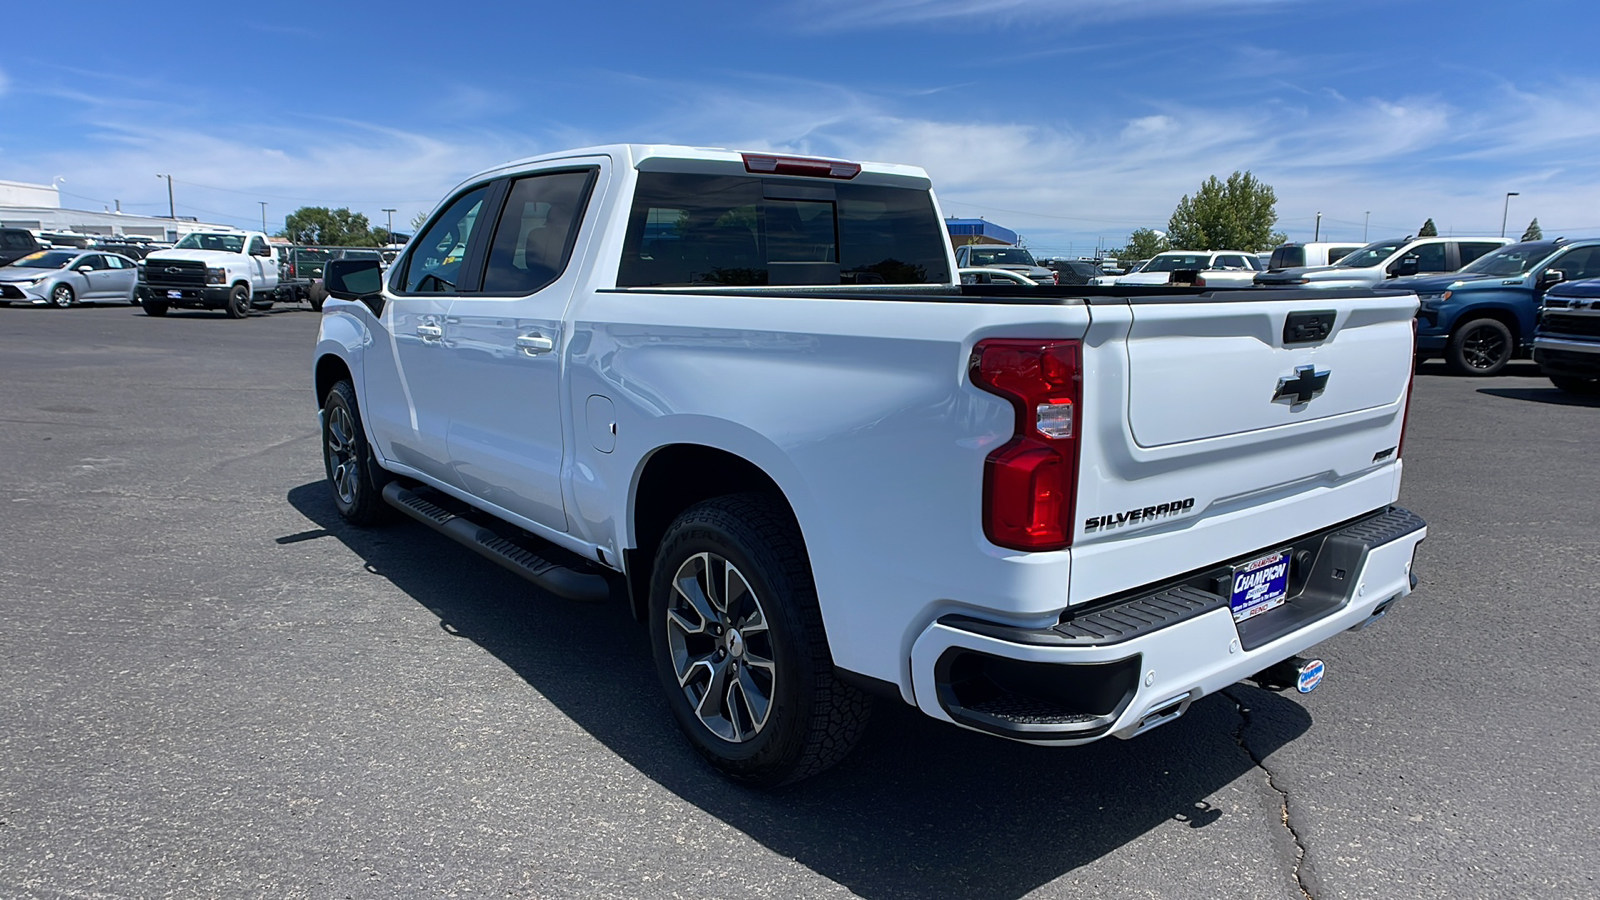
(1071, 122)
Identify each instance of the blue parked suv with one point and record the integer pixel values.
(1482, 316)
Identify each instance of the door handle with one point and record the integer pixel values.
(534, 344)
(430, 333)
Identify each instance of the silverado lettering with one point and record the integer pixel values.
(1112, 520)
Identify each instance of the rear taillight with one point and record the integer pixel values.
(1411, 383)
(1030, 483)
(762, 164)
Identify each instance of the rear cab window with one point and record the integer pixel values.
(1287, 258)
(693, 229)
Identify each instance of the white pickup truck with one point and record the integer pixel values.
(744, 392)
(230, 271)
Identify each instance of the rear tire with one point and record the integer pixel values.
(238, 302)
(154, 308)
(352, 470)
(1573, 384)
(1481, 347)
(739, 644)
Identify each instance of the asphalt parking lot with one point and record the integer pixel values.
(211, 687)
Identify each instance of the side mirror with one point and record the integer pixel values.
(355, 279)
(1406, 266)
(1551, 277)
(85, 269)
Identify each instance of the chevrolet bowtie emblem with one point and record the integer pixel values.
(1306, 384)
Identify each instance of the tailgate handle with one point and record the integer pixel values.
(1308, 327)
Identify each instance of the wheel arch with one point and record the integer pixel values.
(1504, 315)
(330, 369)
(671, 479)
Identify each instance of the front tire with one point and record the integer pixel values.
(1573, 384)
(1481, 347)
(238, 302)
(352, 471)
(739, 644)
(61, 296)
(154, 308)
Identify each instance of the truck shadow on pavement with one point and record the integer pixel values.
(920, 810)
(1552, 395)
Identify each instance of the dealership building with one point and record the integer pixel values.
(977, 231)
(37, 207)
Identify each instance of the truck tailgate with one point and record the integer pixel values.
(1220, 424)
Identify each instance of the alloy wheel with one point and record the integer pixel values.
(721, 647)
(341, 449)
(1483, 348)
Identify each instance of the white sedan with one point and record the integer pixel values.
(61, 278)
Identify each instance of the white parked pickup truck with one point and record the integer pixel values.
(745, 392)
(1200, 268)
(232, 272)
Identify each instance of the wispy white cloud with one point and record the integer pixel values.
(1403, 158)
(832, 15)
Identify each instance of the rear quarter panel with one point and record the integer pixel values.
(860, 410)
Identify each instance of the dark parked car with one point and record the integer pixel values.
(1483, 316)
(15, 243)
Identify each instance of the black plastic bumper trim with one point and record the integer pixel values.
(1325, 563)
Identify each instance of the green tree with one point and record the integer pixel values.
(1143, 244)
(419, 220)
(1428, 229)
(335, 228)
(1237, 214)
(1534, 232)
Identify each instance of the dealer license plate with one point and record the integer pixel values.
(175, 295)
(1260, 585)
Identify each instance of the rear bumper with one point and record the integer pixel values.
(1127, 666)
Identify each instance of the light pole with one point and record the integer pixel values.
(172, 208)
(390, 211)
(1505, 210)
(1364, 223)
(263, 215)
(1316, 233)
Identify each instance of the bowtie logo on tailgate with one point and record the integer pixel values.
(1306, 384)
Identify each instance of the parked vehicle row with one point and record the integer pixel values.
(1482, 317)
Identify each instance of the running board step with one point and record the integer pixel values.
(563, 581)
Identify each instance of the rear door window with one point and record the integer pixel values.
(1471, 250)
(534, 238)
(748, 231)
(1431, 257)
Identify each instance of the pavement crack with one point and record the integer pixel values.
(1283, 795)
